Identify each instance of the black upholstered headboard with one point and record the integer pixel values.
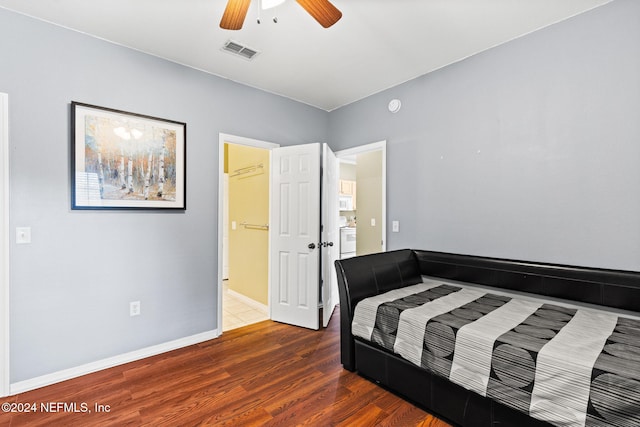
(611, 288)
(368, 275)
(365, 276)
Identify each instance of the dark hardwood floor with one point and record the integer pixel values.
(265, 374)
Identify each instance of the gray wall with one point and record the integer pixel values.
(530, 150)
(70, 288)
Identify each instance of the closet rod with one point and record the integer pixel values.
(246, 170)
(260, 226)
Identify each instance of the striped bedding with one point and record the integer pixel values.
(569, 366)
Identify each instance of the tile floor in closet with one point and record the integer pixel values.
(236, 312)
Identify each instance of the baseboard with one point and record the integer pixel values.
(66, 374)
(253, 303)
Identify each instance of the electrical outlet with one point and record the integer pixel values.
(134, 308)
(23, 235)
(395, 226)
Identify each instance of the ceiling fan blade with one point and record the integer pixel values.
(322, 11)
(234, 14)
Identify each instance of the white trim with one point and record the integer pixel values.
(380, 145)
(374, 146)
(240, 140)
(55, 377)
(263, 308)
(4, 249)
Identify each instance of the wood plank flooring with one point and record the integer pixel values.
(266, 374)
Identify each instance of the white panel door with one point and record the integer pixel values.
(295, 235)
(330, 232)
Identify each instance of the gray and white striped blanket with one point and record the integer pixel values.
(566, 365)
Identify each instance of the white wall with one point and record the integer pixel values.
(526, 151)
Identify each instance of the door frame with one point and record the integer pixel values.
(329, 209)
(4, 249)
(366, 148)
(240, 140)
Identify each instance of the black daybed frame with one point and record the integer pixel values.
(369, 275)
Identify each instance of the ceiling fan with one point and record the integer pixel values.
(321, 10)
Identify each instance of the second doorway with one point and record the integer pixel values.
(246, 235)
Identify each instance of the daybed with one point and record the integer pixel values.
(491, 342)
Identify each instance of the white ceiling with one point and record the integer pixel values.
(376, 45)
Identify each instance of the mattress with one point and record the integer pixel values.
(564, 364)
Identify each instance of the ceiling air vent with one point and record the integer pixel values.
(239, 49)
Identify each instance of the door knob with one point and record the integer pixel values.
(312, 246)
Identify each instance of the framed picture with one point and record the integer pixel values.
(122, 160)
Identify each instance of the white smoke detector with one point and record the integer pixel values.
(394, 105)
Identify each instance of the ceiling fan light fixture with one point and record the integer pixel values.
(323, 11)
(268, 4)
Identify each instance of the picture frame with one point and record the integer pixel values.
(126, 161)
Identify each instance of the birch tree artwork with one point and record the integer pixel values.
(124, 160)
(145, 155)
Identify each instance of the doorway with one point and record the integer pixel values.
(4, 249)
(243, 227)
(363, 213)
(301, 249)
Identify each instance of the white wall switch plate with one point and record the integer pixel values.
(373, 222)
(233, 225)
(395, 226)
(23, 235)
